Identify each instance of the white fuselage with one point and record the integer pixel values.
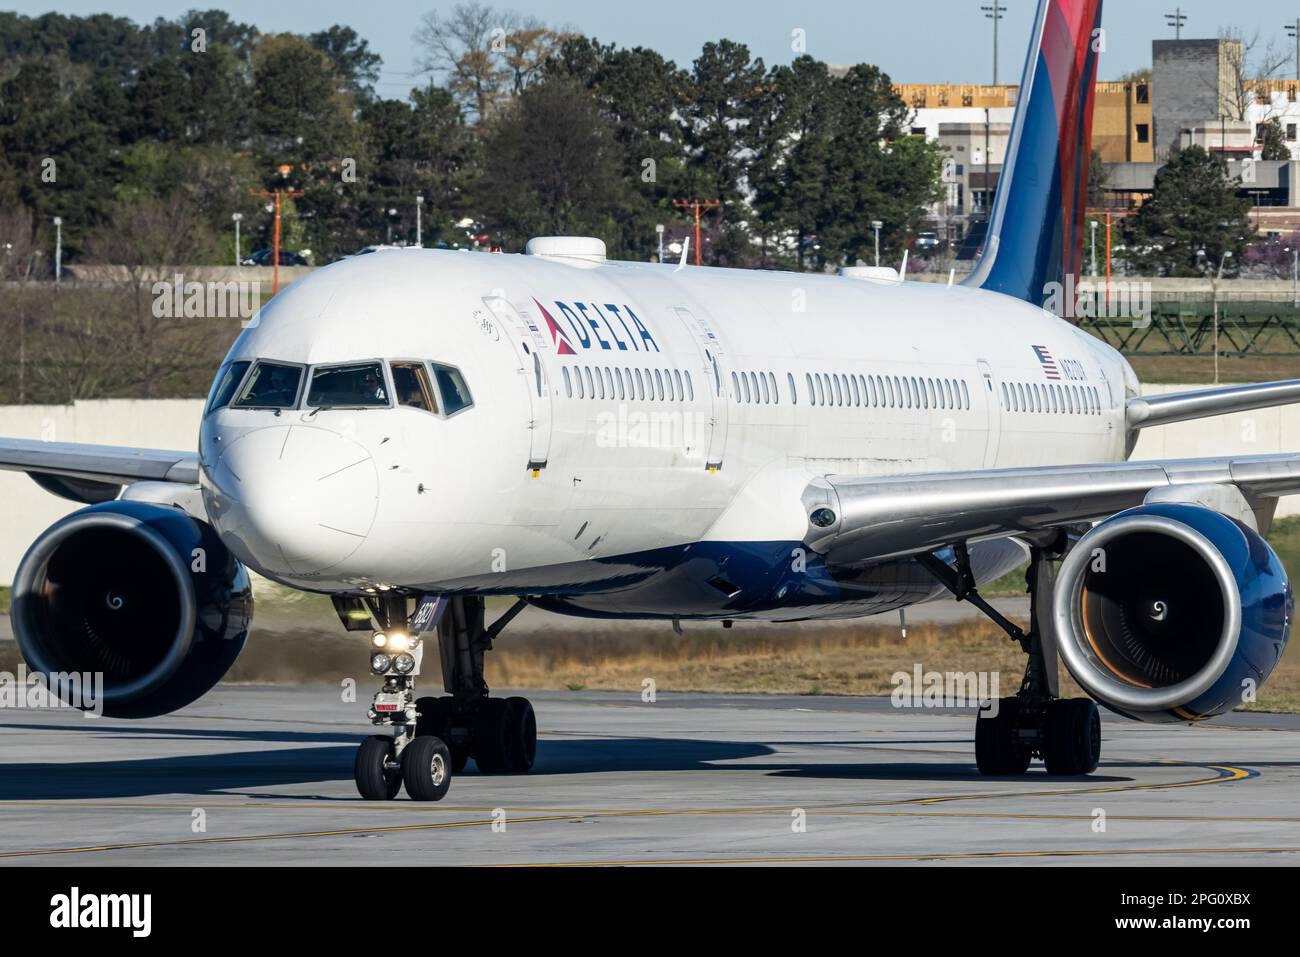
(623, 411)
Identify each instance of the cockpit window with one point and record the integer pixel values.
(227, 383)
(411, 386)
(455, 393)
(270, 386)
(357, 386)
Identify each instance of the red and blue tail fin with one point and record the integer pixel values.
(1036, 229)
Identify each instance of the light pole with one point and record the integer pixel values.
(1223, 260)
(994, 13)
(391, 214)
(58, 249)
(1176, 20)
(1295, 277)
(659, 232)
(236, 217)
(1094, 224)
(876, 225)
(1293, 31)
(419, 230)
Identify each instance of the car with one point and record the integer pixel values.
(265, 257)
(928, 240)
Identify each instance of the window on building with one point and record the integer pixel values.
(1144, 133)
(1143, 93)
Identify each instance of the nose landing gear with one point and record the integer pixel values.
(433, 738)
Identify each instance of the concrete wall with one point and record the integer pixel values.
(26, 510)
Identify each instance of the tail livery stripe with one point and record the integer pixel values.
(1036, 230)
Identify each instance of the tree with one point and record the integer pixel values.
(550, 166)
(419, 147)
(833, 154)
(353, 60)
(635, 90)
(485, 55)
(1193, 217)
(715, 110)
(1272, 141)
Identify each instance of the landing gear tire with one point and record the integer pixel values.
(492, 735)
(435, 718)
(378, 779)
(523, 735)
(998, 748)
(426, 768)
(1071, 737)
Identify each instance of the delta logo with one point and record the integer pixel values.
(587, 325)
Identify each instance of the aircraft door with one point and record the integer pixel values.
(988, 388)
(519, 325)
(713, 373)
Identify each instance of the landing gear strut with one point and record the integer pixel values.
(434, 737)
(1036, 723)
(500, 734)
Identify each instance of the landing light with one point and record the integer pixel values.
(380, 639)
(404, 664)
(398, 641)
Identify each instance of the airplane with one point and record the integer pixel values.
(413, 431)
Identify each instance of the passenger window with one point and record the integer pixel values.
(270, 386)
(226, 385)
(690, 386)
(794, 395)
(412, 387)
(568, 383)
(455, 393)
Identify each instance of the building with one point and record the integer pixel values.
(1194, 83)
(1121, 126)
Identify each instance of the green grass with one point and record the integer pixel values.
(4, 599)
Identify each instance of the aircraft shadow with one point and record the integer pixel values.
(329, 759)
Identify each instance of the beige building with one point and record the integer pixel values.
(1122, 125)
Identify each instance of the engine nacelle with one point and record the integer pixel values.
(144, 594)
(1171, 612)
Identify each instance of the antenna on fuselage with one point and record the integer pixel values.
(686, 247)
(902, 272)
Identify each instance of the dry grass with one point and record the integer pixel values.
(752, 658)
(858, 661)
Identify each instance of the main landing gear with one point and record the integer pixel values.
(1036, 723)
(433, 738)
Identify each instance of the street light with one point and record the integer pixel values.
(237, 217)
(391, 214)
(659, 232)
(877, 225)
(419, 230)
(1223, 261)
(994, 13)
(58, 249)
(1094, 224)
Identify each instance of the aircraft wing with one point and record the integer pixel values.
(869, 518)
(90, 473)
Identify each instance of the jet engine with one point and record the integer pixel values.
(143, 594)
(1171, 612)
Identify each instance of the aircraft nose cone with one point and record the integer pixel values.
(295, 500)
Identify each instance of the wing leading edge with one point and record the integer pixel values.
(881, 517)
(107, 464)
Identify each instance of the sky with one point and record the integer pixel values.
(914, 41)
